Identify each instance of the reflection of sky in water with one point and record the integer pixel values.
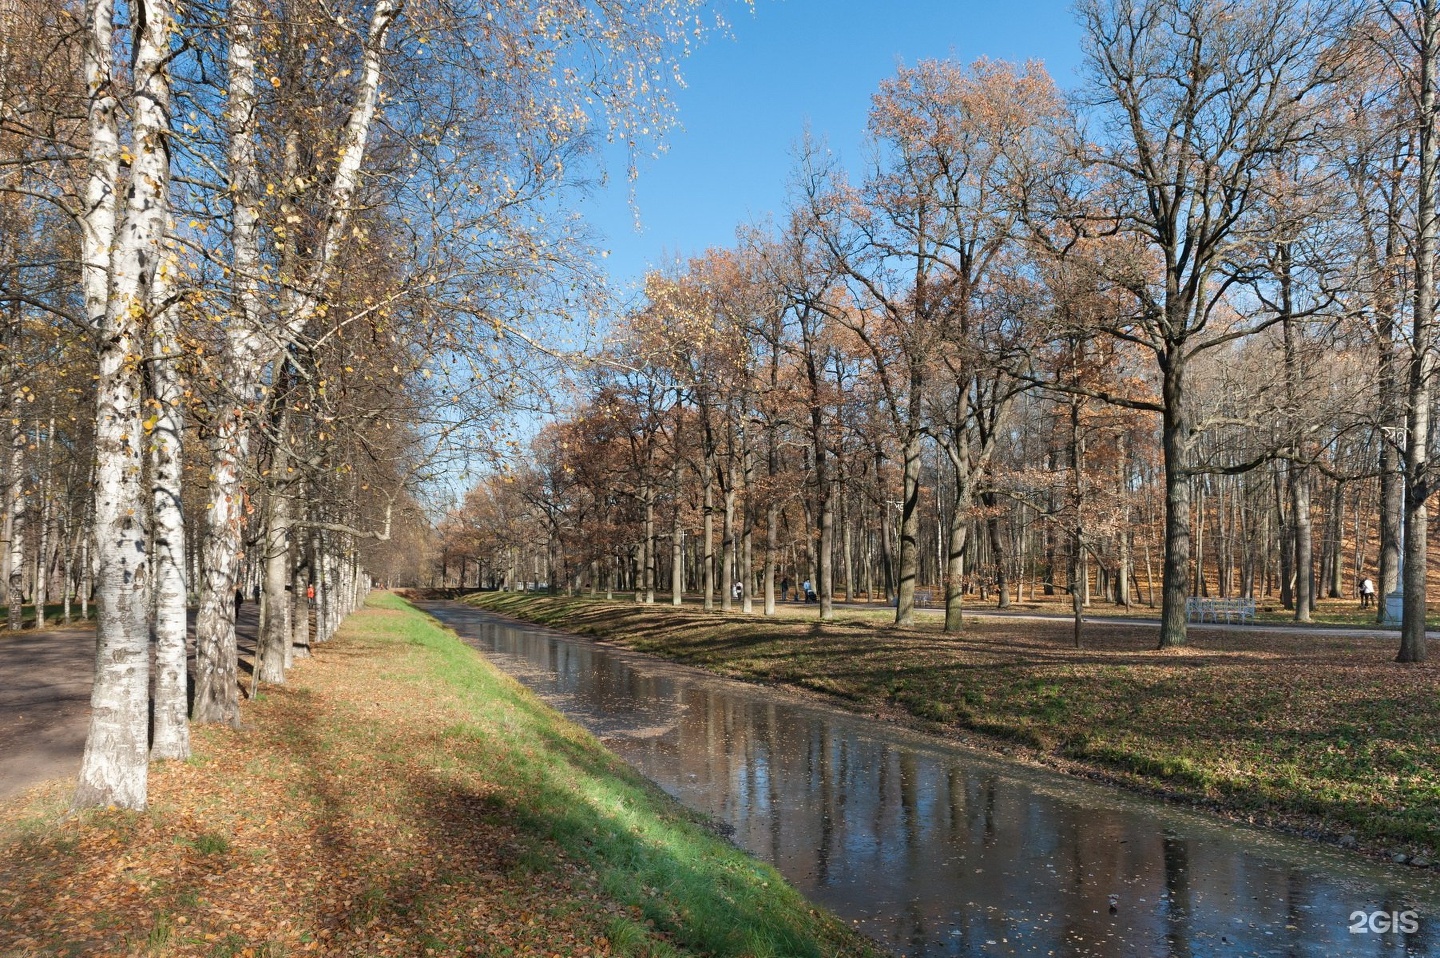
(938, 851)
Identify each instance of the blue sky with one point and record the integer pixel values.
(792, 62)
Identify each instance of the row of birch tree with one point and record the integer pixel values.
(265, 268)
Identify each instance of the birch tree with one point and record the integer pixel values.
(123, 251)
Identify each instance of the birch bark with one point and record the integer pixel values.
(115, 766)
(171, 736)
(217, 698)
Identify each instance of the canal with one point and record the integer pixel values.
(933, 849)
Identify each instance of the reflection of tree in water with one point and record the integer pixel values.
(959, 852)
(769, 741)
(1298, 910)
(882, 790)
(910, 806)
(1425, 940)
(1176, 855)
(827, 805)
(1420, 942)
(955, 790)
(989, 806)
(910, 824)
(1074, 926)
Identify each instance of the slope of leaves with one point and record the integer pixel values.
(1313, 731)
(399, 797)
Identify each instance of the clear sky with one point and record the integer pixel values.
(749, 97)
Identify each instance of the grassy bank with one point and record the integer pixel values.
(399, 797)
(1317, 732)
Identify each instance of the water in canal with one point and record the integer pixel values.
(937, 850)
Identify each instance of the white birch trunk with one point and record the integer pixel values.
(171, 736)
(274, 630)
(115, 766)
(217, 698)
(300, 607)
(47, 533)
(15, 517)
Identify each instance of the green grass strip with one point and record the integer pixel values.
(649, 852)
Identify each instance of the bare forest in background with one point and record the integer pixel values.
(1169, 334)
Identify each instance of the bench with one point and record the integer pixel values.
(1219, 610)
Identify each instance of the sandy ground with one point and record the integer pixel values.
(45, 681)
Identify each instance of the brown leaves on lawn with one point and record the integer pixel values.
(335, 825)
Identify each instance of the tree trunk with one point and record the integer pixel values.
(1077, 530)
(1335, 588)
(957, 450)
(274, 627)
(909, 530)
(747, 531)
(727, 550)
(15, 513)
(709, 534)
(1422, 359)
(677, 543)
(300, 574)
(171, 737)
(1285, 533)
(42, 551)
(114, 770)
(1304, 544)
(847, 544)
(1122, 570)
(959, 527)
(217, 696)
(648, 555)
(1176, 570)
(826, 556)
(1392, 510)
(217, 687)
(10, 350)
(998, 554)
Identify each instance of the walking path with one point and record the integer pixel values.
(46, 676)
(1373, 632)
(1355, 633)
(45, 681)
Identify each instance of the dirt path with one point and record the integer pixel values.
(45, 681)
(1024, 615)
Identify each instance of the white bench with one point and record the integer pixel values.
(1229, 611)
(922, 597)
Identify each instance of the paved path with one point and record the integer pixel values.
(990, 611)
(45, 681)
